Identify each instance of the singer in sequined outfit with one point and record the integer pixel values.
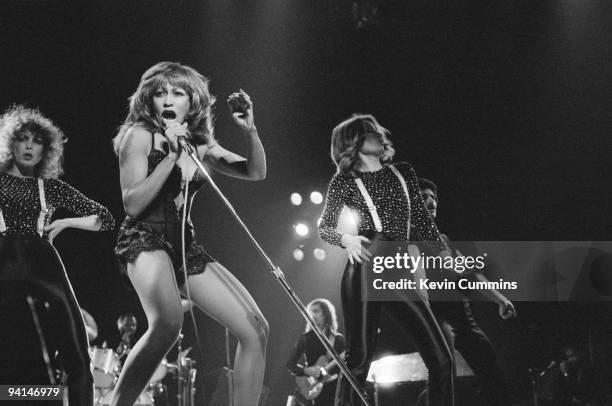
(361, 150)
(31, 150)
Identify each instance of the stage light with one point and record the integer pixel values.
(301, 229)
(298, 254)
(316, 197)
(296, 199)
(320, 254)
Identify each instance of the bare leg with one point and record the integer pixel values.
(153, 278)
(218, 293)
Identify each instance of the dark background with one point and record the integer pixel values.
(504, 104)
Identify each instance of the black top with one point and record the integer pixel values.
(167, 206)
(20, 203)
(389, 198)
(308, 349)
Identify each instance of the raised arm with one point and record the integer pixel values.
(253, 167)
(137, 189)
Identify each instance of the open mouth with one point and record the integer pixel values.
(27, 155)
(168, 115)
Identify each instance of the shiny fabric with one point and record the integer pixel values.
(361, 319)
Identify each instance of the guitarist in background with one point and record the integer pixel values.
(309, 361)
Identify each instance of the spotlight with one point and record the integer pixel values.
(319, 253)
(296, 199)
(298, 254)
(301, 229)
(316, 197)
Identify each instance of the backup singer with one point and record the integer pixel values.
(363, 152)
(309, 357)
(459, 325)
(31, 151)
(154, 176)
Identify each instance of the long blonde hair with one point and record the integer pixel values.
(348, 137)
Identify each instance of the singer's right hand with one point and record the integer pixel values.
(172, 131)
(356, 252)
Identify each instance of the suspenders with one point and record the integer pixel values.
(44, 211)
(419, 273)
(372, 207)
(42, 216)
(2, 223)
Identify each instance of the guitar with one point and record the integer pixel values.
(311, 387)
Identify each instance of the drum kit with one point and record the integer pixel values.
(106, 366)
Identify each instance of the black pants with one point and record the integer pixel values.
(361, 320)
(464, 334)
(30, 266)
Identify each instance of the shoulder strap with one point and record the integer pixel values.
(370, 204)
(403, 182)
(44, 211)
(2, 223)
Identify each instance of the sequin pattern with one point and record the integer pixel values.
(20, 203)
(389, 198)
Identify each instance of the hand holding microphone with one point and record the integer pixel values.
(174, 131)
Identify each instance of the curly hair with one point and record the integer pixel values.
(19, 119)
(329, 315)
(348, 137)
(142, 112)
(425, 183)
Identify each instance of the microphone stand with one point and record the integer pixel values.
(278, 273)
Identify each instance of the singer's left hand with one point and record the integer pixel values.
(56, 227)
(243, 117)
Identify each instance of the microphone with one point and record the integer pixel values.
(182, 139)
